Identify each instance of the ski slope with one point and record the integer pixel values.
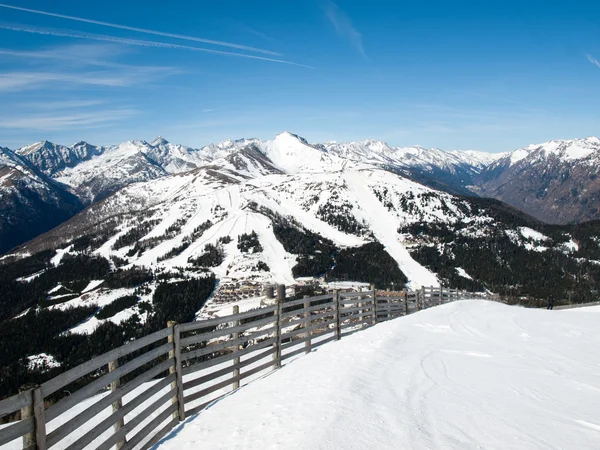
(466, 375)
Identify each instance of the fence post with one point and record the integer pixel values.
(178, 372)
(270, 292)
(374, 303)
(441, 294)
(307, 344)
(338, 319)
(26, 413)
(278, 323)
(175, 353)
(405, 302)
(39, 415)
(418, 299)
(236, 361)
(118, 404)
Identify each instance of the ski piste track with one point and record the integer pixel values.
(465, 375)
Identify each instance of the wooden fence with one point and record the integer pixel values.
(149, 385)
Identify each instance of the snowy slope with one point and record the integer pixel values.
(556, 181)
(377, 202)
(30, 202)
(466, 375)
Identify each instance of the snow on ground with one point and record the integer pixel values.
(570, 247)
(211, 310)
(529, 233)
(92, 285)
(41, 361)
(385, 230)
(463, 273)
(60, 253)
(469, 374)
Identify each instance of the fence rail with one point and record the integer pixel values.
(149, 385)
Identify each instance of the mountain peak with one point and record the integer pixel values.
(286, 135)
(159, 141)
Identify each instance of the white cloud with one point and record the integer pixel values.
(143, 30)
(138, 42)
(57, 122)
(28, 80)
(343, 26)
(593, 60)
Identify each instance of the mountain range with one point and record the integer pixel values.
(555, 182)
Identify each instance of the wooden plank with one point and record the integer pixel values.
(227, 382)
(158, 436)
(356, 301)
(212, 348)
(324, 341)
(310, 318)
(221, 359)
(391, 298)
(300, 312)
(321, 297)
(255, 370)
(391, 307)
(251, 336)
(59, 433)
(14, 403)
(344, 311)
(95, 386)
(354, 294)
(97, 430)
(53, 385)
(199, 324)
(145, 432)
(298, 351)
(16, 430)
(226, 370)
(357, 318)
(314, 337)
(225, 331)
(291, 303)
(135, 421)
(355, 324)
(294, 343)
(305, 330)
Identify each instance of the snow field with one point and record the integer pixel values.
(469, 374)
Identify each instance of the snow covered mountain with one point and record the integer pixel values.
(92, 173)
(282, 217)
(95, 172)
(557, 181)
(30, 202)
(556, 176)
(450, 171)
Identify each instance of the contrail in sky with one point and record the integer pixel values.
(138, 42)
(142, 30)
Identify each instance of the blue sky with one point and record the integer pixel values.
(486, 75)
